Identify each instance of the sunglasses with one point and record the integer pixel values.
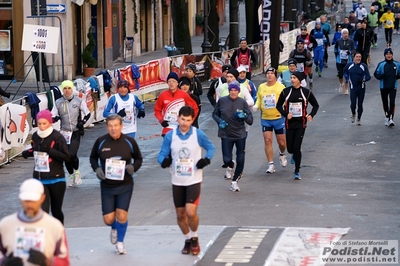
(304, 30)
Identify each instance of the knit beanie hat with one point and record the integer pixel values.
(184, 80)
(46, 114)
(234, 85)
(234, 72)
(226, 67)
(291, 61)
(67, 83)
(173, 75)
(273, 70)
(388, 50)
(298, 75)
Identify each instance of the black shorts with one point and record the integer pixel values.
(116, 198)
(186, 194)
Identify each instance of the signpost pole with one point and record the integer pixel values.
(40, 54)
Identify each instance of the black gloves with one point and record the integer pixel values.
(100, 174)
(55, 119)
(12, 261)
(122, 113)
(129, 169)
(25, 154)
(141, 114)
(348, 53)
(37, 257)
(166, 162)
(80, 125)
(165, 123)
(203, 162)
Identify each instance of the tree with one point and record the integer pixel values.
(234, 23)
(213, 26)
(252, 25)
(180, 25)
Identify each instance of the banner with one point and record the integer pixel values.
(14, 127)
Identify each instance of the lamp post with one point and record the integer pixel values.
(206, 45)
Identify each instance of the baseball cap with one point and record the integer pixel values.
(242, 39)
(226, 67)
(300, 41)
(31, 190)
(241, 68)
(184, 80)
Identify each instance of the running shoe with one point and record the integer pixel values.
(234, 186)
(71, 182)
(282, 159)
(341, 87)
(353, 118)
(271, 168)
(120, 248)
(391, 123)
(78, 179)
(292, 160)
(358, 122)
(311, 85)
(319, 74)
(194, 246)
(114, 236)
(346, 91)
(230, 171)
(316, 68)
(186, 248)
(297, 176)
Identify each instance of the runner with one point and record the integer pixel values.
(111, 158)
(243, 56)
(344, 50)
(356, 74)
(292, 104)
(43, 237)
(388, 72)
(181, 148)
(68, 110)
(126, 105)
(271, 120)
(50, 151)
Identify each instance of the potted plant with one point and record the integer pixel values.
(88, 60)
(199, 24)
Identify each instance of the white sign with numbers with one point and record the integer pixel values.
(38, 38)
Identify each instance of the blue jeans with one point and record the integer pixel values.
(227, 150)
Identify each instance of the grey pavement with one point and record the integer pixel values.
(350, 180)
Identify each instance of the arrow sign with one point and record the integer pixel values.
(55, 8)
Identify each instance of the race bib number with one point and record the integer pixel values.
(269, 101)
(296, 109)
(41, 161)
(27, 238)
(115, 169)
(343, 54)
(184, 167)
(300, 67)
(67, 135)
(320, 42)
(389, 22)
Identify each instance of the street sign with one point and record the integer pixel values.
(55, 8)
(38, 38)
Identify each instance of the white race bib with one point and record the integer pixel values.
(320, 42)
(269, 101)
(343, 54)
(300, 67)
(115, 169)
(296, 109)
(41, 161)
(184, 167)
(27, 238)
(67, 135)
